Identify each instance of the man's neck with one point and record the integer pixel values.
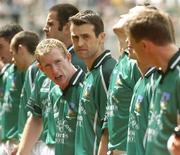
(90, 61)
(71, 70)
(143, 68)
(163, 56)
(67, 42)
(28, 62)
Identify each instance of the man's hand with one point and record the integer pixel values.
(15, 149)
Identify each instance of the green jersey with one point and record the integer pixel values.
(164, 108)
(92, 105)
(138, 115)
(123, 78)
(25, 94)
(2, 84)
(40, 106)
(65, 113)
(10, 107)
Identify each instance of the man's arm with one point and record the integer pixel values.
(119, 30)
(174, 145)
(103, 146)
(30, 135)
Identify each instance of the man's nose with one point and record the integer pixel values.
(45, 29)
(55, 70)
(80, 42)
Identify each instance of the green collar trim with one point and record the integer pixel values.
(101, 59)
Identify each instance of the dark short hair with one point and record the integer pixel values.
(28, 39)
(64, 11)
(153, 25)
(89, 17)
(9, 30)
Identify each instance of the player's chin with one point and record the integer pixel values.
(48, 36)
(82, 54)
(62, 86)
(83, 50)
(132, 56)
(58, 83)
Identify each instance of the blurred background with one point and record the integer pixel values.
(31, 14)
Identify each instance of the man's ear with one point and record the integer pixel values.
(145, 44)
(21, 48)
(69, 57)
(101, 37)
(66, 28)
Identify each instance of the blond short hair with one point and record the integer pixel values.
(46, 45)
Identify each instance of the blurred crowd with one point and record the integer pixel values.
(31, 14)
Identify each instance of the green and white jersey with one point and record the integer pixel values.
(40, 106)
(66, 104)
(122, 81)
(92, 105)
(2, 84)
(138, 115)
(10, 107)
(164, 109)
(25, 94)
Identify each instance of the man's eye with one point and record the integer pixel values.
(50, 24)
(85, 36)
(75, 37)
(58, 61)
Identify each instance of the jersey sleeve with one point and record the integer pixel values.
(33, 102)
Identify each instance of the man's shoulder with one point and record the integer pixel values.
(108, 66)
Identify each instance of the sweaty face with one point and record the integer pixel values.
(55, 66)
(136, 50)
(5, 54)
(131, 51)
(87, 46)
(51, 28)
